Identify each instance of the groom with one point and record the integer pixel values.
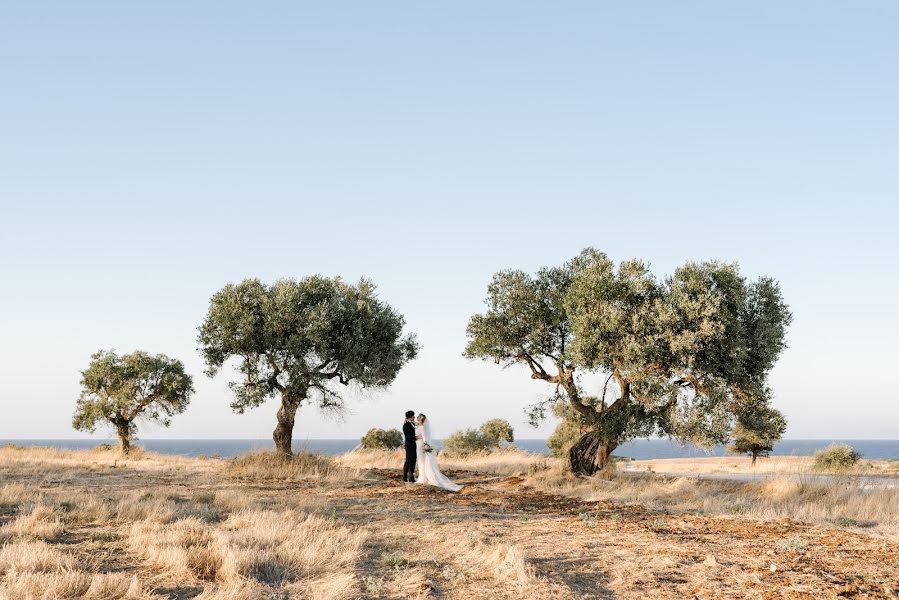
(409, 437)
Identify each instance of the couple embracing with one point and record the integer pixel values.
(417, 435)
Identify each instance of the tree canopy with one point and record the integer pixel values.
(298, 339)
(679, 357)
(119, 390)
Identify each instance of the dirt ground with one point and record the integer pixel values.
(599, 550)
(424, 542)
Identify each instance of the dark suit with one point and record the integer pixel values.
(411, 456)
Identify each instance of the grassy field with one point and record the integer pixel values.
(91, 525)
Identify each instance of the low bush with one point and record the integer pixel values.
(272, 465)
(382, 439)
(487, 438)
(468, 441)
(837, 456)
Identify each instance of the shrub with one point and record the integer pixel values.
(467, 441)
(836, 456)
(274, 465)
(487, 438)
(499, 430)
(380, 439)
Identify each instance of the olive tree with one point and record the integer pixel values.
(296, 340)
(499, 430)
(757, 430)
(120, 390)
(679, 357)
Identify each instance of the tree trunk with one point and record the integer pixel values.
(754, 456)
(124, 432)
(590, 454)
(283, 434)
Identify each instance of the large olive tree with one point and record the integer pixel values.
(120, 390)
(296, 339)
(680, 357)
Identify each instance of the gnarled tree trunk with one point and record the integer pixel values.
(124, 432)
(590, 454)
(283, 434)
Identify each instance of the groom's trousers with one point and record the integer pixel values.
(409, 465)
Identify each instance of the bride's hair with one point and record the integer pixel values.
(423, 417)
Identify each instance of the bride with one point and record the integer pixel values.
(428, 471)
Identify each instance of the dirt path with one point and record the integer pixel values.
(599, 550)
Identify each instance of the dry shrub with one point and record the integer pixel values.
(36, 556)
(497, 561)
(273, 465)
(268, 547)
(41, 523)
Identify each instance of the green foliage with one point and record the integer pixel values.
(118, 390)
(757, 430)
(682, 357)
(298, 338)
(467, 441)
(499, 430)
(381, 439)
(486, 438)
(837, 456)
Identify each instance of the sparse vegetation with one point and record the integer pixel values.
(382, 439)
(837, 456)
(269, 526)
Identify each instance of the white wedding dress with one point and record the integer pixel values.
(428, 471)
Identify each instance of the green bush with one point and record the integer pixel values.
(487, 438)
(499, 430)
(382, 439)
(836, 456)
(468, 441)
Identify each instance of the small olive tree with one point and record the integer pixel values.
(499, 430)
(756, 431)
(119, 390)
(296, 339)
(382, 439)
(679, 357)
(485, 438)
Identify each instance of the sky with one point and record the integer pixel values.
(152, 152)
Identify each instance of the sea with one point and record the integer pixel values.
(636, 449)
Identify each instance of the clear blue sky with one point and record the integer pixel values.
(152, 152)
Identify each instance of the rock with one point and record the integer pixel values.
(710, 561)
(773, 567)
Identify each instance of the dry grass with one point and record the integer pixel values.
(271, 465)
(842, 502)
(501, 462)
(90, 525)
(137, 533)
(784, 465)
